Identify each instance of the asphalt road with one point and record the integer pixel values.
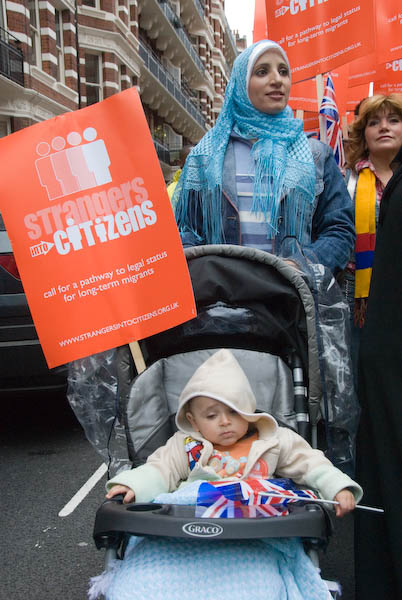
(45, 460)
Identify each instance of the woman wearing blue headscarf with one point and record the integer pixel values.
(256, 180)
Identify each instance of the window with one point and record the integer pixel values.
(174, 141)
(34, 29)
(59, 45)
(91, 3)
(4, 128)
(122, 78)
(93, 78)
(2, 21)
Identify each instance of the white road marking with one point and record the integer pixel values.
(83, 491)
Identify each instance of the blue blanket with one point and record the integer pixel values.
(165, 568)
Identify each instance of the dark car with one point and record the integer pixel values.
(22, 363)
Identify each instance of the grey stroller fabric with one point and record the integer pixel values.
(297, 280)
(153, 397)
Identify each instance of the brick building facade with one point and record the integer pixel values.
(61, 55)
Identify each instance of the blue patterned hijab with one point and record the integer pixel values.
(282, 152)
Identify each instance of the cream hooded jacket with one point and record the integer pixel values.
(285, 452)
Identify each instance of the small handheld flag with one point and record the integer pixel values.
(253, 498)
(248, 498)
(333, 132)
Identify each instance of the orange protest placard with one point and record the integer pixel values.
(340, 81)
(85, 204)
(303, 96)
(355, 95)
(367, 69)
(363, 70)
(386, 88)
(390, 72)
(260, 31)
(319, 35)
(389, 30)
(311, 122)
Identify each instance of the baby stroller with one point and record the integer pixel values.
(256, 305)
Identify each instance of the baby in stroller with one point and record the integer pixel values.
(221, 437)
(216, 410)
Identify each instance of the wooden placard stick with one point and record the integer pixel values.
(345, 127)
(138, 357)
(319, 81)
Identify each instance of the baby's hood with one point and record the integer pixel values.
(221, 377)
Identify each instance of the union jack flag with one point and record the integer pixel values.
(248, 498)
(333, 131)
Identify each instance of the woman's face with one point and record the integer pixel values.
(269, 84)
(383, 133)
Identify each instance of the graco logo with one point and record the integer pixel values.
(202, 530)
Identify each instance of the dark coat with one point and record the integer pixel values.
(378, 539)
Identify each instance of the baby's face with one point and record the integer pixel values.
(216, 422)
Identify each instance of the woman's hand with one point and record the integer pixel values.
(346, 502)
(128, 493)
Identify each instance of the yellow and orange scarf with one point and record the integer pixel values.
(365, 202)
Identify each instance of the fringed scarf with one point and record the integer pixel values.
(365, 240)
(282, 152)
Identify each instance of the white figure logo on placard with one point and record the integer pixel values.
(75, 168)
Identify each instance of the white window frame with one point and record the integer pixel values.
(95, 2)
(98, 85)
(34, 31)
(58, 15)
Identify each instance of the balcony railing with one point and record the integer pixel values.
(176, 23)
(229, 34)
(153, 65)
(11, 58)
(187, 90)
(162, 152)
(170, 156)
